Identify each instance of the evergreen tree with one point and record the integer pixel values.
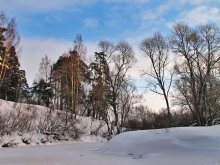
(69, 77)
(23, 90)
(100, 86)
(42, 91)
(10, 84)
(12, 79)
(2, 52)
(69, 74)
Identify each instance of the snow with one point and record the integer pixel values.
(165, 141)
(173, 146)
(8, 106)
(197, 145)
(93, 130)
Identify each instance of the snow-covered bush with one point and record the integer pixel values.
(22, 118)
(216, 121)
(26, 124)
(16, 121)
(61, 125)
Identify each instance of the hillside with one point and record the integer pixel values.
(25, 124)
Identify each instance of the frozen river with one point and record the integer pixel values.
(84, 154)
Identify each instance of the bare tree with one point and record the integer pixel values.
(79, 46)
(128, 99)
(156, 49)
(123, 60)
(197, 86)
(45, 68)
(107, 48)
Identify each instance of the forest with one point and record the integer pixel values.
(184, 68)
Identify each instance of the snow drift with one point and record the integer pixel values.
(165, 142)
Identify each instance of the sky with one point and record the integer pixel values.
(48, 27)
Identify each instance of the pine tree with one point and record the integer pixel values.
(2, 52)
(10, 84)
(10, 77)
(100, 86)
(23, 90)
(69, 74)
(42, 92)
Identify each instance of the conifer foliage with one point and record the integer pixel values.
(12, 79)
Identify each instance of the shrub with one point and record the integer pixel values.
(61, 125)
(16, 121)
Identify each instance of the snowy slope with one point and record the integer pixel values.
(88, 126)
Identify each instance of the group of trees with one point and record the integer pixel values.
(195, 75)
(197, 85)
(113, 93)
(102, 87)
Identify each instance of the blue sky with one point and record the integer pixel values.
(106, 19)
(50, 26)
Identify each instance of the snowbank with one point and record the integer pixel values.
(165, 142)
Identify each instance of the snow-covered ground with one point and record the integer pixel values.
(92, 130)
(191, 145)
(174, 146)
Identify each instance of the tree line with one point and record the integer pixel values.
(183, 68)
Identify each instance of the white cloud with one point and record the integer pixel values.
(200, 15)
(154, 101)
(195, 2)
(192, 12)
(58, 17)
(156, 19)
(33, 50)
(90, 22)
(159, 11)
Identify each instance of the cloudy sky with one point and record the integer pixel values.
(48, 27)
